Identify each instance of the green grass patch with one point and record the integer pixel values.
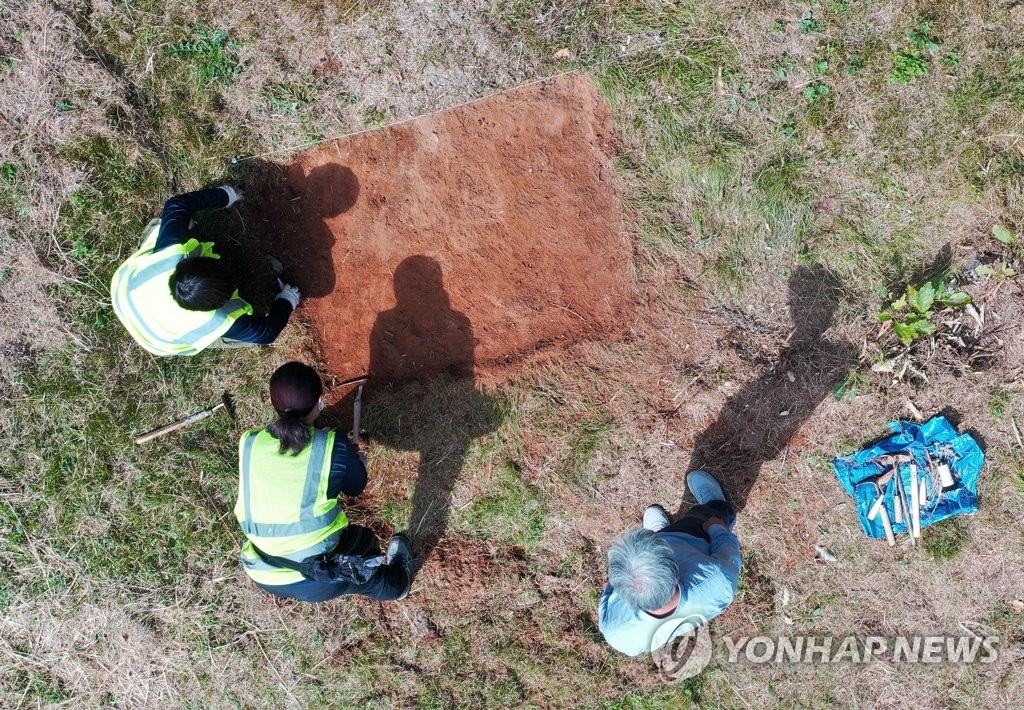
(573, 464)
(513, 513)
(946, 539)
(210, 53)
(289, 99)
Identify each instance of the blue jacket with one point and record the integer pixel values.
(174, 229)
(708, 576)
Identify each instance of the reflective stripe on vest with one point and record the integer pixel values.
(308, 522)
(260, 571)
(282, 503)
(143, 302)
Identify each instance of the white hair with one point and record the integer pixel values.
(642, 569)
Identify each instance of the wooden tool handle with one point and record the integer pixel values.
(889, 536)
(148, 436)
(876, 506)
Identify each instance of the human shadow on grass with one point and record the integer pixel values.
(422, 395)
(280, 228)
(757, 423)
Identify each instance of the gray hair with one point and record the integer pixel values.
(642, 569)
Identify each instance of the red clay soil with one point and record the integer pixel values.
(459, 242)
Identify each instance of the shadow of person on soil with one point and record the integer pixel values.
(280, 227)
(757, 423)
(421, 395)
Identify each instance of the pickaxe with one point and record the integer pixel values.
(226, 402)
(357, 405)
(893, 461)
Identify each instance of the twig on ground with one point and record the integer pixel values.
(918, 416)
(1016, 432)
(566, 308)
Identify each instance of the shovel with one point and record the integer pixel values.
(226, 402)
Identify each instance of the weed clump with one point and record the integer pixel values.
(913, 314)
(913, 61)
(214, 52)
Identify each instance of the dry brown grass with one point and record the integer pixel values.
(33, 129)
(598, 434)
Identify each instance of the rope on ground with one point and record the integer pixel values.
(541, 80)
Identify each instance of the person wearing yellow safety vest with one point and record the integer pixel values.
(299, 542)
(175, 296)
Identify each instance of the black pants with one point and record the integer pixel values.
(692, 522)
(389, 582)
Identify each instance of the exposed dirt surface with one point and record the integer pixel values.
(455, 243)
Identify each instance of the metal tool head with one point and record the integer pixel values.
(229, 405)
(361, 380)
(883, 480)
(892, 458)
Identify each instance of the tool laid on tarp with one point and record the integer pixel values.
(920, 475)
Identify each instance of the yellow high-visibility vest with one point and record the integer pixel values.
(282, 504)
(141, 294)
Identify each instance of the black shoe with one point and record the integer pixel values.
(400, 553)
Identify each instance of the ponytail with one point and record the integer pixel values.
(295, 389)
(291, 431)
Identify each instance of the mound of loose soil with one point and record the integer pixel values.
(458, 242)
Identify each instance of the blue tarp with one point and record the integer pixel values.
(942, 442)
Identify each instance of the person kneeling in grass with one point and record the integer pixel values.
(299, 543)
(666, 578)
(176, 297)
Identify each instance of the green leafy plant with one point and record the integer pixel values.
(815, 91)
(913, 61)
(855, 64)
(1000, 270)
(374, 116)
(999, 404)
(784, 66)
(952, 60)
(288, 99)
(913, 312)
(808, 23)
(848, 387)
(214, 51)
(908, 64)
(922, 37)
(1003, 234)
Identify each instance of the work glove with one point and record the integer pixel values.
(289, 293)
(233, 194)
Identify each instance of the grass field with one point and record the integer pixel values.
(877, 143)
